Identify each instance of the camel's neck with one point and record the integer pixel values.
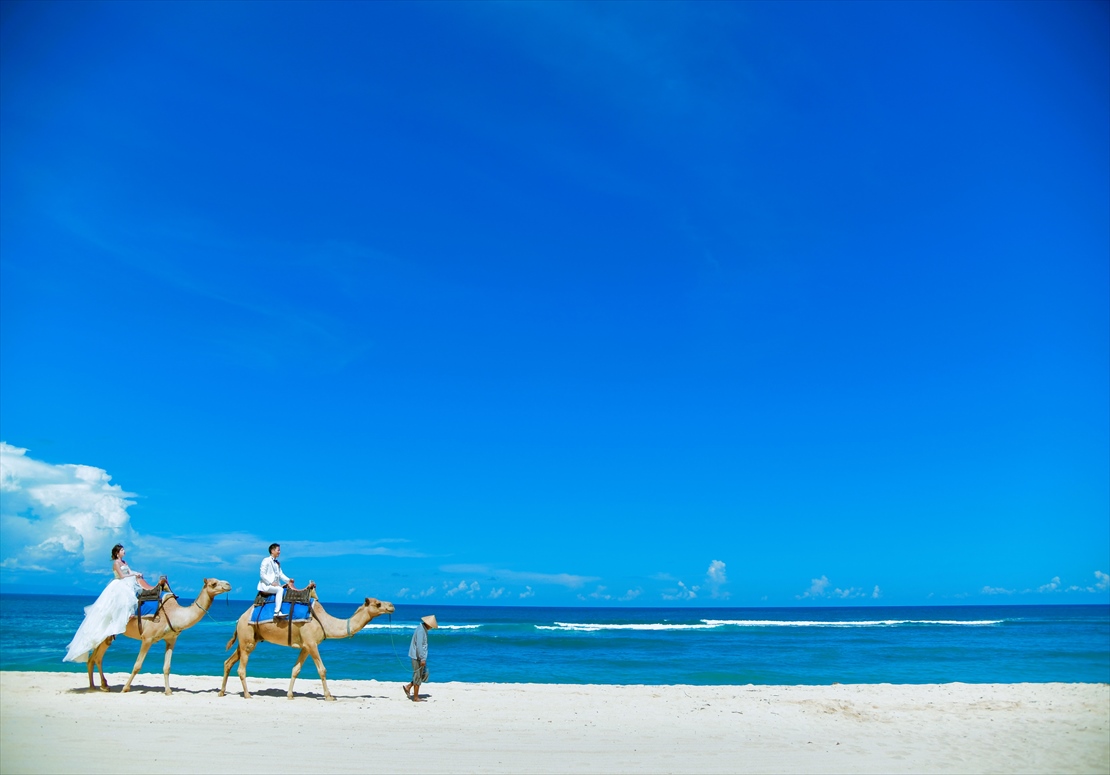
(342, 628)
(182, 616)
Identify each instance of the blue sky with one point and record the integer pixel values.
(560, 303)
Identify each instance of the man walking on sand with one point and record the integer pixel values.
(418, 653)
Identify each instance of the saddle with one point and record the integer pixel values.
(149, 601)
(302, 596)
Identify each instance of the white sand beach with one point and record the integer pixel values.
(50, 722)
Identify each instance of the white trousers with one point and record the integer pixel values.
(277, 592)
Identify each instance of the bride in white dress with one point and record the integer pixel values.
(109, 614)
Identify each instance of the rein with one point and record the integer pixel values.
(392, 644)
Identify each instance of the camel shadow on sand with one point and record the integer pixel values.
(279, 693)
(141, 689)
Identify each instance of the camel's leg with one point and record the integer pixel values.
(170, 643)
(96, 660)
(228, 664)
(143, 649)
(297, 670)
(244, 655)
(314, 649)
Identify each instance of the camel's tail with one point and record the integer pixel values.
(231, 642)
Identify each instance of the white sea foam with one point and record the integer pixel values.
(577, 627)
(861, 623)
(408, 627)
(711, 624)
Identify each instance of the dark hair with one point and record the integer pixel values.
(115, 551)
(273, 546)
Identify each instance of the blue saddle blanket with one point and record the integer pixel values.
(148, 607)
(300, 612)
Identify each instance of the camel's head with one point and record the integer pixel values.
(215, 586)
(377, 607)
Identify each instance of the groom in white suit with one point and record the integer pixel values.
(272, 580)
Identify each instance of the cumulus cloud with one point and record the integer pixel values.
(527, 593)
(631, 594)
(59, 518)
(682, 593)
(463, 588)
(568, 580)
(1102, 580)
(1052, 586)
(597, 594)
(716, 572)
(819, 588)
(816, 588)
(715, 578)
(996, 591)
(64, 518)
(496, 593)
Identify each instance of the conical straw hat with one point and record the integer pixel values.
(430, 621)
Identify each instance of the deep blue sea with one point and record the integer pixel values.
(973, 644)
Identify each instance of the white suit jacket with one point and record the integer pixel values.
(270, 574)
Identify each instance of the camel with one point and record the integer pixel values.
(306, 636)
(172, 619)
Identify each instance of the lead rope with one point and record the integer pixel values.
(391, 643)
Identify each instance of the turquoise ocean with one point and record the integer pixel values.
(972, 644)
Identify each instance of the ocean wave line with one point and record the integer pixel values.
(859, 623)
(712, 624)
(411, 626)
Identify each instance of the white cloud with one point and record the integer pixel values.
(682, 593)
(64, 518)
(816, 588)
(819, 588)
(716, 572)
(597, 594)
(14, 564)
(59, 517)
(1052, 586)
(715, 577)
(1102, 580)
(995, 591)
(568, 580)
(351, 591)
(631, 594)
(527, 593)
(496, 593)
(467, 589)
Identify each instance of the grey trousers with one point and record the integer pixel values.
(419, 674)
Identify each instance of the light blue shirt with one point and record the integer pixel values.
(418, 649)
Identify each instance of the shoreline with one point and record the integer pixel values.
(51, 722)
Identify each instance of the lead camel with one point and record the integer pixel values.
(306, 636)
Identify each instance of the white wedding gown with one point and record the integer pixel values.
(107, 616)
